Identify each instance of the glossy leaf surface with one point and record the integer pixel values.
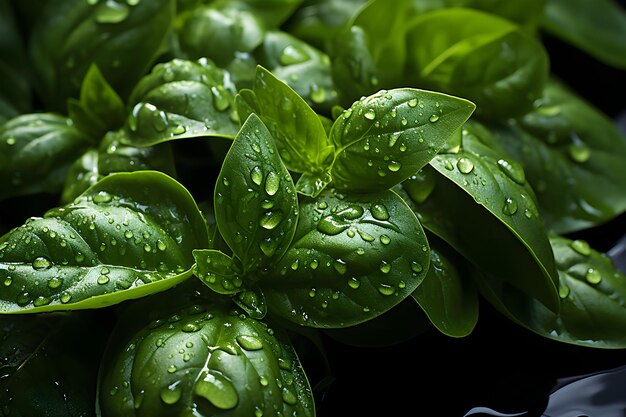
(353, 257)
(385, 138)
(129, 235)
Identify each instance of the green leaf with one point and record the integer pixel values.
(181, 99)
(121, 39)
(298, 131)
(600, 27)
(526, 13)
(471, 58)
(573, 156)
(36, 152)
(385, 138)
(480, 198)
(353, 258)
(129, 235)
(447, 296)
(99, 109)
(256, 206)
(40, 354)
(592, 295)
(201, 358)
(217, 271)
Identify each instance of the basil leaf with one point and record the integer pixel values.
(481, 198)
(39, 355)
(36, 151)
(82, 174)
(525, 13)
(99, 109)
(385, 138)
(302, 67)
(353, 258)
(217, 271)
(121, 39)
(256, 206)
(471, 59)
(592, 295)
(181, 99)
(448, 298)
(201, 358)
(299, 133)
(604, 42)
(129, 235)
(573, 157)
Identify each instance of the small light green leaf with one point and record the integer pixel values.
(217, 271)
(200, 358)
(481, 198)
(99, 109)
(592, 296)
(181, 99)
(129, 235)
(353, 258)
(299, 133)
(383, 139)
(36, 152)
(256, 206)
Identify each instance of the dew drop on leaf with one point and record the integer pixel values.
(217, 389)
(465, 165)
(433, 118)
(41, 263)
(513, 170)
(593, 276)
(385, 289)
(171, 394)
(249, 342)
(272, 182)
(510, 206)
(581, 246)
(270, 220)
(379, 212)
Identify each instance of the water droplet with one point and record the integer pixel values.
(581, 246)
(385, 267)
(340, 266)
(272, 182)
(448, 165)
(510, 206)
(103, 279)
(354, 283)
(179, 130)
(111, 12)
(412, 102)
(370, 115)
(289, 397)
(549, 111)
(331, 226)
(41, 263)
(256, 175)
(268, 246)
(55, 282)
(465, 165)
(394, 166)
(264, 381)
(220, 99)
(379, 212)
(249, 342)
(102, 197)
(41, 301)
(385, 289)
(171, 369)
(161, 245)
(366, 236)
(271, 219)
(190, 328)
(65, 298)
(385, 240)
(579, 152)
(593, 276)
(217, 389)
(433, 118)
(563, 291)
(513, 170)
(318, 95)
(416, 267)
(171, 394)
(291, 55)
(10, 141)
(258, 412)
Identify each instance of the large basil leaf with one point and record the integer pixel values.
(299, 133)
(385, 138)
(42, 371)
(304, 68)
(573, 156)
(181, 99)
(36, 151)
(447, 295)
(99, 109)
(353, 258)
(202, 359)
(481, 198)
(527, 13)
(256, 206)
(472, 58)
(113, 156)
(15, 91)
(121, 39)
(129, 235)
(592, 294)
(600, 27)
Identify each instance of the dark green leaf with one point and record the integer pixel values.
(472, 58)
(527, 13)
(592, 294)
(385, 138)
(217, 271)
(481, 198)
(129, 235)
(600, 27)
(99, 109)
(353, 258)
(256, 206)
(181, 99)
(36, 152)
(573, 156)
(204, 359)
(121, 39)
